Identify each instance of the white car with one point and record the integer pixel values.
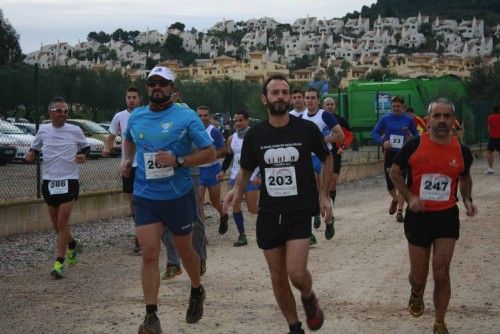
(96, 147)
(7, 149)
(23, 141)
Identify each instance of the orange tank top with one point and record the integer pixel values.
(436, 169)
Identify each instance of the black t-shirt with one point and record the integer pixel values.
(284, 158)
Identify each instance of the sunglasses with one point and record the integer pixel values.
(161, 83)
(60, 111)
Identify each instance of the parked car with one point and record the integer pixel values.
(96, 147)
(105, 125)
(23, 141)
(7, 149)
(28, 128)
(94, 130)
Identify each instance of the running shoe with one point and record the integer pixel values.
(330, 230)
(223, 224)
(317, 222)
(314, 314)
(393, 207)
(171, 271)
(416, 304)
(242, 240)
(72, 254)
(195, 309)
(296, 329)
(57, 270)
(151, 325)
(312, 240)
(203, 267)
(489, 171)
(440, 328)
(399, 216)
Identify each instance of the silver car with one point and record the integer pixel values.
(22, 140)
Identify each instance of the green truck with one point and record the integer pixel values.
(358, 104)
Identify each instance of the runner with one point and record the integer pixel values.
(233, 153)
(494, 138)
(438, 166)
(392, 131)
(332, 132)
(298, 103)
(63, 147)
(281, 147)
(163, 134)
(209, 172)
(116, 128)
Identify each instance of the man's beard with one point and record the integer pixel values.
(159, 99)
(278, 108)
(441, 130)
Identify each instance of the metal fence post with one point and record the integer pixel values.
(37, 122)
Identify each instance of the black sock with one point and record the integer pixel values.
(333, 194)
(295, 327)
(152, 308)
(72, 244)
(60, 259)
(196, 291)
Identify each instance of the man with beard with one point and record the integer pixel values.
(162, 134)
(281, 147)
(392, 131)
(233, 153)
(438, 166)
(332, 133)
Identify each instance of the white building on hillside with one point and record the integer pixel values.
(228, 26)
(357, 26)
(471, 29)
(387, 23)
(330, 26)
(413, 23)
(305, 25)
(150, 37)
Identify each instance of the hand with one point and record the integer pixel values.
(340, 151)
(105, 151)
(80, 158)
(325, 208)
(470, 207)
(126, 167)
(30, 156)
(229, 200)
(165, 159)
(387, 144)
(220, 176)
(416, 204)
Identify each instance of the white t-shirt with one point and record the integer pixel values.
(296, 113)
(59, 147)
(118, 126)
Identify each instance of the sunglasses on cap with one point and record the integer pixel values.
(161, 83)
(59, 111)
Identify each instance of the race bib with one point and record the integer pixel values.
(281, 182)
(396, 141)
(58, 187)
(435, 187)
(153, 170)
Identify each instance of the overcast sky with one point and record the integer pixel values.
(47, 21)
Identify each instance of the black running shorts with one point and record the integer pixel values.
(494, 144)
(274, 229)
(389, 158)
(58, 199)
(422, 228)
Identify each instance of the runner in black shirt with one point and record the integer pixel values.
(281, 147)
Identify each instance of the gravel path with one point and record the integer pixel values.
(360, 276)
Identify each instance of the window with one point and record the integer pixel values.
(256, 68)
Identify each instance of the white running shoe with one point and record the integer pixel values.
(489, 171)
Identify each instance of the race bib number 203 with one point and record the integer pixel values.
(281, 182)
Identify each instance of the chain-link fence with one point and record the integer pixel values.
(96, 96)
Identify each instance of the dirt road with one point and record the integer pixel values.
(360, 276)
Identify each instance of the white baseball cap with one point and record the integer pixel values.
(163, 72)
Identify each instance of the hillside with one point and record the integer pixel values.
(488, 10)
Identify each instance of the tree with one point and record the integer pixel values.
(10, 51)
(100, 37)
(384, 61)
(173, 45)
(119, 34)
(177, 25)
(112, 55)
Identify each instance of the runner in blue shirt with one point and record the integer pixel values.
(162, 134)
(392, 131)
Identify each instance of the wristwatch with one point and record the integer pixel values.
(179, 161)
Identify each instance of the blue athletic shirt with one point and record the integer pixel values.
(173, 129)
(217, 140)
(397, 126)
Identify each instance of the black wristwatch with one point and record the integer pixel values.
(179, 161)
